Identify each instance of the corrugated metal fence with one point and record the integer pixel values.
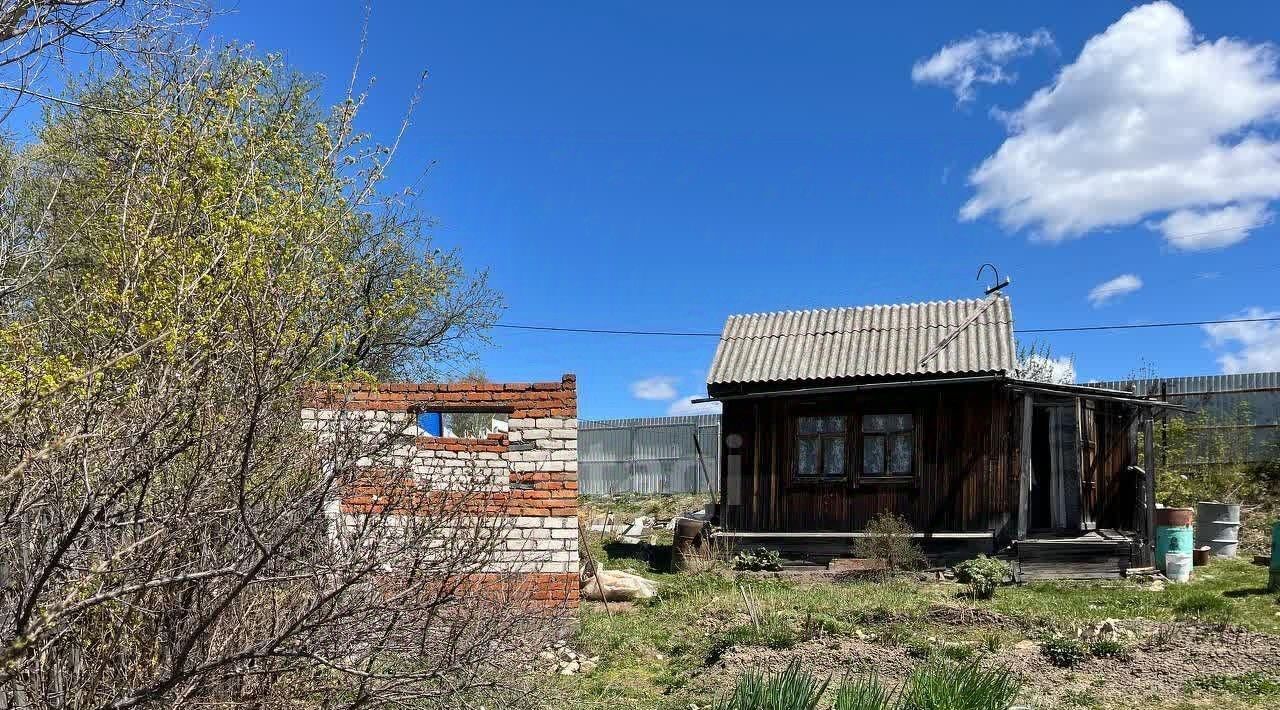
(1223, 398)
(655, 455)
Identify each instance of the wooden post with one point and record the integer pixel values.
(1149, 504)
(1024, 468)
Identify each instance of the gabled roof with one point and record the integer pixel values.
(867, 341)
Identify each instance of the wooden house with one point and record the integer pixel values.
(834, 416)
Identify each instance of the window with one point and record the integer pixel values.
(460, 425)
(888, 445)
(820, 447)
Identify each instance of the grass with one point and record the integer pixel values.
(655, 656)
(1247, 686)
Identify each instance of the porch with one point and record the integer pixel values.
(1096, 554)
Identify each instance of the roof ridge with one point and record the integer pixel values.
(868, 306)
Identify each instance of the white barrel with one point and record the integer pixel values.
(1218, 528)
(1177, 566)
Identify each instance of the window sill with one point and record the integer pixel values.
(817, 483)
(907, 480)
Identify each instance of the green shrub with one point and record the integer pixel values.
(888, 539)
(1110, 648)
(959, 686)
(983, 574)
(864, 693)
(1204, 606)
(760, 560)
(792, 689)
(1064, 652)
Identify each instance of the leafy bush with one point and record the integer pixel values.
(1204, 606)
(1110, 648)
(792, 689)
(760, 560)
(864, 693)
(983, 574)
(1064, 652)
(888, 539)
(959, 686)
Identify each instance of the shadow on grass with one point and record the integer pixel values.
(1246, 593)
(656, 557)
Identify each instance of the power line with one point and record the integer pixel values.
(1130, 326)
(1064, 329)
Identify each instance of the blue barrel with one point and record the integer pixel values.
(1172, 538)
(1273, 583)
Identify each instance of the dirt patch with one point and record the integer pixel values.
(1161, 662)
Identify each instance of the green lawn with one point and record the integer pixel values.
(656, 654)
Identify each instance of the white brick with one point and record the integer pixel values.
(564, 433)
(519, 423)
(531, 434)
(550, 423)
(550, 444)
(564, 534)
(565, 455)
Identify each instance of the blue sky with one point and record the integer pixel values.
(660, 166)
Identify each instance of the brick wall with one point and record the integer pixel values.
(523, 483)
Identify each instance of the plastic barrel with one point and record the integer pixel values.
(1178, 566)
(1274, 582)
(1218, 528)
(1172, 538)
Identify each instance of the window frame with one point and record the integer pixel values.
(793, 447)
(886, 476)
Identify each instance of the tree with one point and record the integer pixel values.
(39, 35)
(168, 525)
(1035, 361)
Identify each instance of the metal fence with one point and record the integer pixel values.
(655, 455)
(1224, 399)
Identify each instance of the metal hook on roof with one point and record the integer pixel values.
(998, 284)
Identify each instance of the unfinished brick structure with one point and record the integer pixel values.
(528, 474)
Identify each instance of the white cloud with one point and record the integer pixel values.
(1194, 230)
(1247, 347)
(1124, 283)
(979, 59)
(1149, 120)
(686, 407)
(657, 388)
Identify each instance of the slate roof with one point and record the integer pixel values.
(867, 341)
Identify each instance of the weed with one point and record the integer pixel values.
(864, 693)
(1165, 636)
(792, 689)
(920, 648)
(1110, 648)
(772, 631)
(992, 642)
(959, 686)
(1253, 685)
(957, 652)
(1063, 651)
(1080, 699)
(983, 574)
(760, 560)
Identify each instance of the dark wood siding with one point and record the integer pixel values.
(1108, 447)
(965, 463)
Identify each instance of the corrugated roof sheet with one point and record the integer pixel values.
(868, 341)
